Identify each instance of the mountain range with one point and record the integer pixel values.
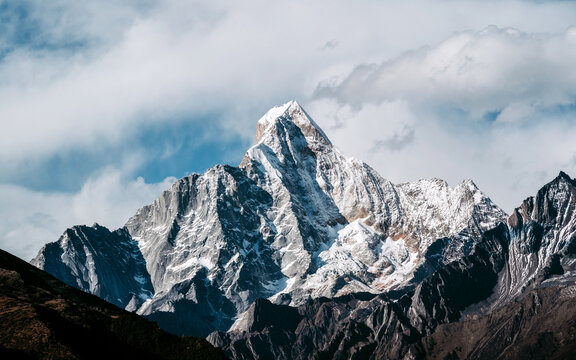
(302, 253)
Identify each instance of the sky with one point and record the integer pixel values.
(104, 104)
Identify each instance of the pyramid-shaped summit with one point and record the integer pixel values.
(296, 220)
(282, 118)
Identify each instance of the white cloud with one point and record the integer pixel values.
(496, 106)
(387, 126)
(92, 73)
(152, 60)
(494, 70)
(34, 218)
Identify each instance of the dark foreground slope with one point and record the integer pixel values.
(42, 318)
(541, 325)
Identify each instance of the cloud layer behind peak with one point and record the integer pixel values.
(416, 88)
(496, 74)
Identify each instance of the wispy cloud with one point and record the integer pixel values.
(501, 74)
(398, 141)
(35, 217)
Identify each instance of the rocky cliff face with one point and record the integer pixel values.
(368, 326)
(297, 220)
(508, 298)
(104, 263)
(543, 232)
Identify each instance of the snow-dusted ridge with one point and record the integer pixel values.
(296, 220)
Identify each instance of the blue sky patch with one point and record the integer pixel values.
(174, 148)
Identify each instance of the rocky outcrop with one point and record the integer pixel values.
(543, 236)
(104, 263)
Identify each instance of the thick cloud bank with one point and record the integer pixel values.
(495, 74)
(416, 88)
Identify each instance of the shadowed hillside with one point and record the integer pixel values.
(42, 318)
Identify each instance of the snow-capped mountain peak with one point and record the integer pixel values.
(296, 220)
(277, 123)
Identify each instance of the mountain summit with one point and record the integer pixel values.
(288, 120)
(297, 220)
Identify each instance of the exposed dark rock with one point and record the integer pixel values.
(366, 326)
(541, 325)
(104, 263)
